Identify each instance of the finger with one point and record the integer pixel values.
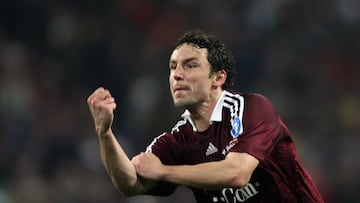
(99, 95)
(104, 106)
(109, 100)
(95, 94)
(136, 156)
(108, 103)
(113, 107)
(104, 94)
(133, 160)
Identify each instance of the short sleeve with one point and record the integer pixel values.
(262, 127)
(163, 147)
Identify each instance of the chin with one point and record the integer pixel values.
(180, 103)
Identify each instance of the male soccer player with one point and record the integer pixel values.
(228, 146)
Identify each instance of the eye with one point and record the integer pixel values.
(191, 65)
(172, 66)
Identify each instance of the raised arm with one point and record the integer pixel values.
(115, 160)
(234, 171)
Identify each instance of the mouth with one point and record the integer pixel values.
(180, 89)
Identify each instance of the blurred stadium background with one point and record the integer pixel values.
(303, 55)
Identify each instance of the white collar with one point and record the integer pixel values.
(216, 115)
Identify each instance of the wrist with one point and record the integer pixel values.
(166, 173)
(104, 134)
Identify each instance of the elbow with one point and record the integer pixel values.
(127, 190)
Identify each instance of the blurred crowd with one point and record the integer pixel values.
(303, 55)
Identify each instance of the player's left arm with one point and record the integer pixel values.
(234, 171)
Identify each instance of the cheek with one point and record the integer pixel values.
(204, 88)
(201, 83)
(171, 82)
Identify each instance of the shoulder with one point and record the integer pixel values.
(257, 100)
(181, 130)
(250, 100)
(253, 97)
(258, 107)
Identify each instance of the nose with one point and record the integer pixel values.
(177, 73)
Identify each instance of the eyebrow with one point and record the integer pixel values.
(185, 60)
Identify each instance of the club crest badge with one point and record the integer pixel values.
(236, 127)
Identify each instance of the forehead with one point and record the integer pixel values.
(186, 51)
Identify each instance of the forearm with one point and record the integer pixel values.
(235, 171)
(211, 175)
(118, 166)
(102, 105)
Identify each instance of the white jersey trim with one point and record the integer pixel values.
(149, 148)
(234, 102)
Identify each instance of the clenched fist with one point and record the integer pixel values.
(148, 166)
(102, 106)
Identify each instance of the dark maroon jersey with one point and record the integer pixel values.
(240, 123)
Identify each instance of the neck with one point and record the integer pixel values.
(201, 113)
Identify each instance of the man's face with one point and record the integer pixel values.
(189, 79)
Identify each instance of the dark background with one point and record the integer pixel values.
(303, 55)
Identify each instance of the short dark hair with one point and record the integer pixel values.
(219, 57)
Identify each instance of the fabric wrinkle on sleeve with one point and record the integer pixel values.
(261, 128)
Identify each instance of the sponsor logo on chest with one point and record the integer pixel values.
(236, 130)
(233, 195)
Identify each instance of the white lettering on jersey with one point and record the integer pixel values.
(234, 195)
(231, 144)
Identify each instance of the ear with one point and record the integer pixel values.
(219, 78)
